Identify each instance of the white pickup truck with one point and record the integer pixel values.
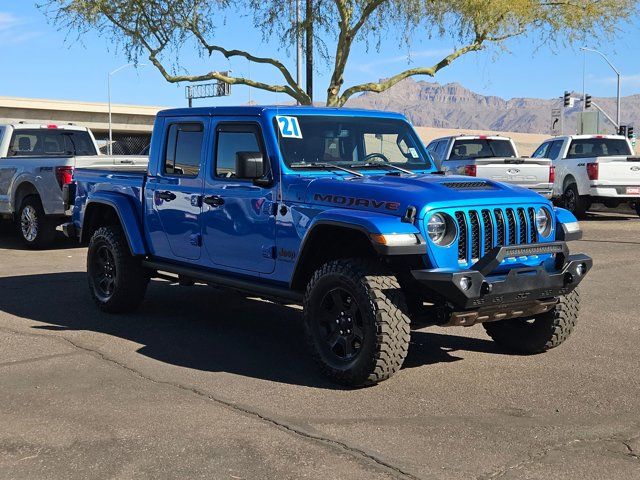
(35, 162)
(593, 169)
(494, 157)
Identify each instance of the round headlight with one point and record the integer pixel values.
(440, 229)
(543, 222)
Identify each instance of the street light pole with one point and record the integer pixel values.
(109, 98)
(585, 49)
(298, 46)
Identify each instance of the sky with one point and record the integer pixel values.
(41, 61)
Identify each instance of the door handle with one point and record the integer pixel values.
(166, 196)
(213, 200)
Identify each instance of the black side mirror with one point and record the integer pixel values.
(249, 165)
(252, 166)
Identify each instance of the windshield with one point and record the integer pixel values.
(481, 148)
(352, 142)
(50, 142)
(598, 147)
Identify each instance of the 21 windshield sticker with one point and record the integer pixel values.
(289, 127)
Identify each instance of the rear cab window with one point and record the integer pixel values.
(38, 142)
(481, 148)
(598, 147)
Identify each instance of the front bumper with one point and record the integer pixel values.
(519, 285)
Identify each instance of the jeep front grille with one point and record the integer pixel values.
(479, 231)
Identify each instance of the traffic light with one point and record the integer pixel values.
(630, 132)
(587, 101)
(622, 130)
(567, 99)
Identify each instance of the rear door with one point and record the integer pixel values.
(173, 193)
(238, 219)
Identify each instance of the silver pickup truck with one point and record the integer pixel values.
(35, 163)
(494, 157)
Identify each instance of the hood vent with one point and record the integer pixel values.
(474, 185)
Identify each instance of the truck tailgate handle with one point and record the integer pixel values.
(166, 196)
(213, 200)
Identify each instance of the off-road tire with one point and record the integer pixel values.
(574, 202)
(539, 334)
(382, 315)
(31, 212)
(129, 278)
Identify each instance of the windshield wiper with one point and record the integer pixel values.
(327, 166)
(386, 165)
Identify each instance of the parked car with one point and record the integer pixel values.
(494, 157)
(35, 162)
(337, 210)
(593, 169)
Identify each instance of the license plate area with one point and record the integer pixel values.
(633, 190)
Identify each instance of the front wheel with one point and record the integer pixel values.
(541, 333)
(117, 280)
(355, 321)
(34, 228)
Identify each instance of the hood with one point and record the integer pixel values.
(392, 194)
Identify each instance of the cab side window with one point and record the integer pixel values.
(554, 149)
(441, 149)
(184, 149)
(541, 151)
(232, 140)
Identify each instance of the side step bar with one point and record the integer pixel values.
(251, 287)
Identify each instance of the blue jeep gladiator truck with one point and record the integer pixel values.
(341, 211)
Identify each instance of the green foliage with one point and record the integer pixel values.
(158, 28)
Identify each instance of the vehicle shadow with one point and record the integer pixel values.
(202, 328)
(608, 217)
(9, 239)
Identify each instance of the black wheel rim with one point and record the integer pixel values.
(104, 272)
(341, 327)
(570, 200)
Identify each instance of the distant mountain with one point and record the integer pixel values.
(430, 104)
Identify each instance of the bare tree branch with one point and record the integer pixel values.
(390, 82)
(301, 95)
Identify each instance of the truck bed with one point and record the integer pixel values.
(127, 180)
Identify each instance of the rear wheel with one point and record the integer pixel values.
(34, 228)
(117, 280)
(355, 321)
(574, 202)
(541, 333)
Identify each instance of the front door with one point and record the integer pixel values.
(175, 191)
(238, 217)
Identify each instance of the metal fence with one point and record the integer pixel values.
(124, 144)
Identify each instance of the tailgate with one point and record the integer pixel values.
(524, 172)
(623, 171)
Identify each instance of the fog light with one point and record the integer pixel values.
(465, 283)
(581, 269)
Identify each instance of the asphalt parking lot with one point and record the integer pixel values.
(205, 384)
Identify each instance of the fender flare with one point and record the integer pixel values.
(18, 182)
(367, 224)
(127, 215)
